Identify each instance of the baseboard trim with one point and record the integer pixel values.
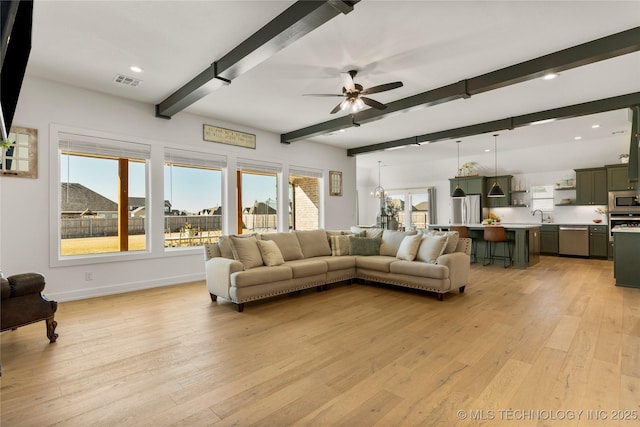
(121, 288)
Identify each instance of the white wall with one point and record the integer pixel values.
(25, 205)
(524, 165)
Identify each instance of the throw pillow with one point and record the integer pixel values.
(313, 243)
(363, 246)
(288, 244)
(409, 247)
(226, 247)
(431, 248)
(247, 251)
(391, 240)
(374, 233)
(339, 245)
(270, 252)
(452, 239)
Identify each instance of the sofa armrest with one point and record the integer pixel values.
(459, 266)
(218, 275)
(26, 283)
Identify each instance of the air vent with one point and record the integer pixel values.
(129, 81)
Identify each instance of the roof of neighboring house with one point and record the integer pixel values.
(260, 208)
(422, 206)
(136, 202)
(78, 198)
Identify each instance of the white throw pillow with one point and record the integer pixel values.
(431, 248)
(409, 247)
(270, 252)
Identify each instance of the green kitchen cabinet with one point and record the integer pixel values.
(598, 241)
(549, 239)
(591, 186)
(505, 183)
(469, 184)
(626, 268)
(618, 178)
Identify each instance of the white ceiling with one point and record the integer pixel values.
(424, 44)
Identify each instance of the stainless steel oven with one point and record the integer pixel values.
(623, 202)
(623, 219)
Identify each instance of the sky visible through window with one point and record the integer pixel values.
(193, 189)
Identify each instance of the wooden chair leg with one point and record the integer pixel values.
(240, 307)
(51, 329)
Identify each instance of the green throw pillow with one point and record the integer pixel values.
(364, 246)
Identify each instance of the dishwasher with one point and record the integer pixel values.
(574, 240)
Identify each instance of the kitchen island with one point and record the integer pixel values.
(524, 238)
(626, 253)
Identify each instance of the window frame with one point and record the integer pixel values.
(56, 133)
(198, 160)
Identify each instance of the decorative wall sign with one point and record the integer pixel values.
(20, 159)
(335, 183)
(227, 136)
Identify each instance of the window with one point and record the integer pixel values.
(542, 197)
(192, 198)
(304, 199)
(412, 208)
(258, 196)
(102, 203)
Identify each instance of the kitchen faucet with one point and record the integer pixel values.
(541, 215)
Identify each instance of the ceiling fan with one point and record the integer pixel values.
(352, 92)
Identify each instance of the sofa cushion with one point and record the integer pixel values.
(339, 245)
(247, 252)
(419, 269)
(288, 244)
(260, 276)
(431, 248)
(452, 239)
(376, 263)
(307, 267)
(271, 255)
(409, 247)
(335, 263)
(363, 246)
(313, 243)
(391, 240)
(374, 233)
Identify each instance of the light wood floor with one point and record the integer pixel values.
(518, 348)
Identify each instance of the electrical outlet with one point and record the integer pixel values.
(88, 276)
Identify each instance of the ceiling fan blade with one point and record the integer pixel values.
(373, 103)
(381, 88)
(321, 94)
(347, 78)
(338, 107)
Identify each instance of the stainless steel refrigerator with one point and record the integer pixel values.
(467, 210)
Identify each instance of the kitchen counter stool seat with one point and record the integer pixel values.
(492, 236)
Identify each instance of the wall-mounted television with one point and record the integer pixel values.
(16, 19)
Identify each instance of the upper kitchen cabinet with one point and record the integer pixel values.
(505, 183)
(469, 184)
(591, 186)
(618, 178)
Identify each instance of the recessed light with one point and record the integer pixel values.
(577, 138)
(135, 69)
(595, 126)
(550, 76)
(488, 150)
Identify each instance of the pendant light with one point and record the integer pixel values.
(378, 192)
(458, 193)
(496, 190)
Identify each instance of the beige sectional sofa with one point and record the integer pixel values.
(252, 267)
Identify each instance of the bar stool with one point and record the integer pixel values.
(493, 235)
(463, 232)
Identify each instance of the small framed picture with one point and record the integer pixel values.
(335, 183)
